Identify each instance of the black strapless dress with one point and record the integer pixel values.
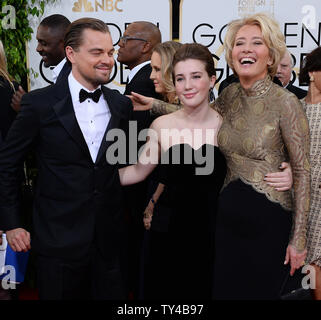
(182, 233)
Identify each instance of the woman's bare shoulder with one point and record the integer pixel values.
(165, 121)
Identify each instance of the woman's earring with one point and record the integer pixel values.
(311, 78)
(211, 95)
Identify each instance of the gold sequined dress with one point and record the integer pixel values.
(313, 112)
(262, 127)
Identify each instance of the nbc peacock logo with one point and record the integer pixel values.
(94, 6)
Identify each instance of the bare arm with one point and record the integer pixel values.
(147, 161)
(149, 211)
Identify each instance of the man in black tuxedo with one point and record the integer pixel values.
(135, 50)
(78, 209)
(50, 36)
(284, 74)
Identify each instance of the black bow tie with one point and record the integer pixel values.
(83, 95)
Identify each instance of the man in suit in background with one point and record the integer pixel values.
(78, 208)
(135, 50)
(284, 73)
(50, 37)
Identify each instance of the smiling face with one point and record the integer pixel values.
(192, 83)
(156, 74)
(250, 55)
(50, 45)
(93, 61)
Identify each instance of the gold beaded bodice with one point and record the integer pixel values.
(262, 127)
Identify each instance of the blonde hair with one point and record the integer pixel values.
(166, 51)
(271, 34)
(3, 66)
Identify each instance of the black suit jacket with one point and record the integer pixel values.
(142, 84)
(77, 202)
(300, 93)
(64, 72)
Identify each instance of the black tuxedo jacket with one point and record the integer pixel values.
(300, 93)
(142, 84)
(77, 202)
(64, 72)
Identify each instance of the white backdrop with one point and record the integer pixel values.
(116, 13)
(202, 21)
(205, 22)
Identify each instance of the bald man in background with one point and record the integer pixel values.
(284, 73)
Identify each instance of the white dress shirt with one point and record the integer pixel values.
(133, 71)
(56, 70)
(92, 117)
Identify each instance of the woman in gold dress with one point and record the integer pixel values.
(263, 125)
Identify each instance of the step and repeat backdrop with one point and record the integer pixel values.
(202, 21)
(205, 22)
(118, 14)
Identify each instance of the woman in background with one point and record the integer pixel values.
(263, 126)
(311, 75)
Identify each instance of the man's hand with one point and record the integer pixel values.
(19, 239)
(280, 181)
(16, 99)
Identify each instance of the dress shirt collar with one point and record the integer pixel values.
(57, 69)
(75, 88)
(136, 69)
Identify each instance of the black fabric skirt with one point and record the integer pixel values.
(252, 234)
